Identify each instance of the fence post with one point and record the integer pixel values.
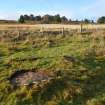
(81, 29)
(41, 30)
(63, 31)
(18, 33)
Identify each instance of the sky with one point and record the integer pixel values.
(73, 9)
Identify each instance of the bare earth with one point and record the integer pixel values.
(28, 77)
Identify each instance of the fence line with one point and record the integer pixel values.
(50, 28)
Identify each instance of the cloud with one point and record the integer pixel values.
(91, 9)
(63, 12)
(94, 10)
(10, 15)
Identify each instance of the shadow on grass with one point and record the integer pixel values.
(91, 62)
(94, 85)
(45, 94)
(53, 89)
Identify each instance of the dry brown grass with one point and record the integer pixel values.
(48, 26)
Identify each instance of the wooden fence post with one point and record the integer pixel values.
(81, 29)
(63, 31)
(41, 30)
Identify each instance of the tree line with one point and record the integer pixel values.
(56, 19)
(48, 19)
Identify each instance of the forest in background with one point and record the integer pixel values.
(53, 19)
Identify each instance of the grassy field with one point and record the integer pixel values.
(50, 26)
(80, 58)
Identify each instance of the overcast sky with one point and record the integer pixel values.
(74, 9)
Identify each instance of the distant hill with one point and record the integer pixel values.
(8, 21)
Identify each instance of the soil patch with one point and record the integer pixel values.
(21, 78)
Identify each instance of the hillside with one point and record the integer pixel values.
(73, 60)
